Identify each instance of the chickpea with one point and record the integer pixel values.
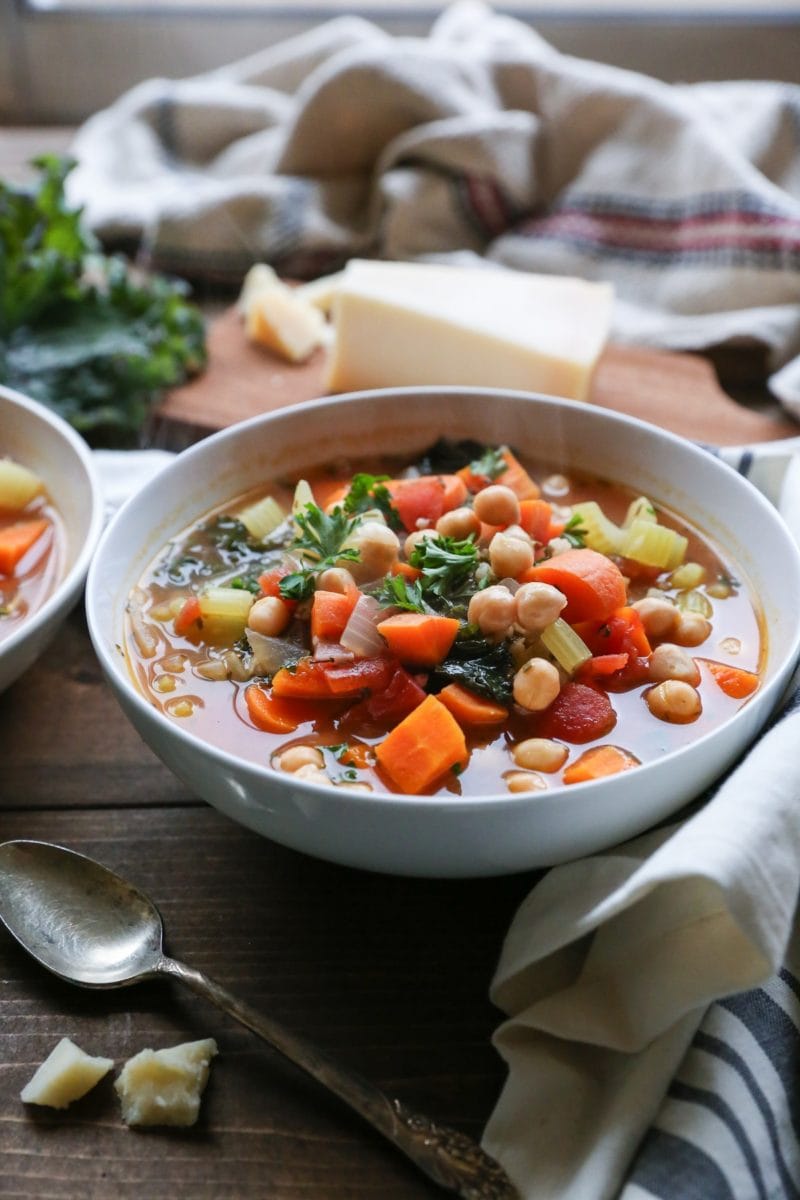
(537, 605)
(458, 523)
(311, 774)
(509, 556)
(659, 617)
(674, 701)
(269, 616)
(378, 550)
(295, 757)
(536, 684)
(516, 531)
(539, 754)
(692, 629)
(335, 579)
(558, 545)
(524, 781)
(414, 539)
(492, 610)
(497, 505)
(672, 662)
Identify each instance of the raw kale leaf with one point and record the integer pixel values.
(80, 331)
(446, 456)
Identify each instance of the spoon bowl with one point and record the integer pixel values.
(90, 927)
(77, 918)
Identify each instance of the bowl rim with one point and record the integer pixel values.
(70, 582)
(768, 696)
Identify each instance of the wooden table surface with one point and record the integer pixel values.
(390, 975)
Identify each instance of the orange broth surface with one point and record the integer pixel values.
(169, 668)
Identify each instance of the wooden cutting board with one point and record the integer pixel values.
(679, 392)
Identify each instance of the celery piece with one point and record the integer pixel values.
(600, 533)
(18, 485)
(303, 495)
(653, 545)
(689, 575)
(640, 509)
(567, 648)
(261, 518)
(224, 611)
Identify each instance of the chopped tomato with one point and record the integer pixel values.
(579, 713)
(385, 708)
(313, 679)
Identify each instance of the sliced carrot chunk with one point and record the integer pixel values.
(426, 744)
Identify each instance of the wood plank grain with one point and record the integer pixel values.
(679, 392)
(65, 742)
(389, 974)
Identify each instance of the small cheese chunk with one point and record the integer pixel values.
(65, 1075)
(163, 1087)
(285, 324)
(418, 323)
(321, 292)
(259, 279)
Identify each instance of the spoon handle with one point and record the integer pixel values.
(448, 1157)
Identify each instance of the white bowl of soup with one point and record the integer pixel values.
(446, 632)
(51, 514)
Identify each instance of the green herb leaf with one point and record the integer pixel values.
(574, 532)
(79, 331)
(446, 563)
(491, 464)
(322, 534)
(297, 586)
(368, 492)
(400, 592)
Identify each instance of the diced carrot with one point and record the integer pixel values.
(188, 615)
(16, 540)
(593, 584)
(423, 747)
(356, 754)
(470, 709)
(598, 762)
(517, 478)
(419, 638)
(455, 491)
(514, 476)
(579, 713)
(734, 681)
(406, 570)
(535, 517)
(330, 612)
(277, 714)
(329, 492)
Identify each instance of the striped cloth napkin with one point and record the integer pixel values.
(477, 143)
(653, 991)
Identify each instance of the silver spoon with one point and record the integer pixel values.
(90, 927)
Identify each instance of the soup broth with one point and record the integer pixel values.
(31, 546)
(463, 624)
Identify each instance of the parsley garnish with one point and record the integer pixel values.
(491, 464)
(400, 592)
(369, 492)
(574, 532)
(321, 538)
(446, 563)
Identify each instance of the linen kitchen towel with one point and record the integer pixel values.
(478, 142)
(653, 991)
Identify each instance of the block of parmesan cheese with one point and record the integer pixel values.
(401, 324)
(65, 1075)
(164, 1087)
